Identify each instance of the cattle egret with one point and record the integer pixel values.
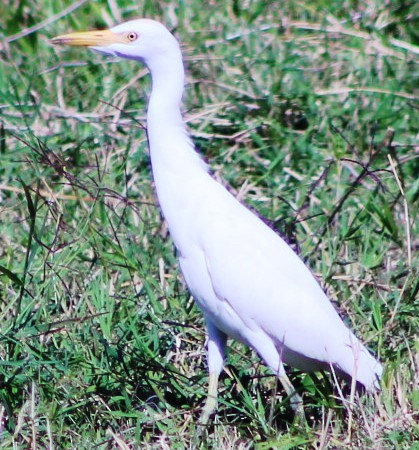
(246, 280)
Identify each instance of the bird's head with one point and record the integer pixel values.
(142, 40)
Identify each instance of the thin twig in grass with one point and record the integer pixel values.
(372, 90)
(46, 194)
(125, 113)
(324, 436)
(49, 158)
(337, 28)
(406, 211)
(32, 210)
(60, 325)
(352, 187)
(306, 202)
(372, 39)
(397, 304)
(338, 206)
(32, 415)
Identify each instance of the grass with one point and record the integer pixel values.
(309, 112)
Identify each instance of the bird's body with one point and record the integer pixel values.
(247, 281)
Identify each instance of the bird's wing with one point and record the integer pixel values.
(266, 284)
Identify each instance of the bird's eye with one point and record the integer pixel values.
(131, 36)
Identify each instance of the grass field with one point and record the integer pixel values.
(309, 112)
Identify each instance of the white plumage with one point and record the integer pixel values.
(246, 280)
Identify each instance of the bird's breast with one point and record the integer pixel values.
(196, 275)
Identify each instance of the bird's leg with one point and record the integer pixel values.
(272, 355)
(211, 402)
(295, 399)
(216, 345)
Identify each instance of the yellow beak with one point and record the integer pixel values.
(99, 38)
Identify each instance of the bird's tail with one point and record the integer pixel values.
(365, 368)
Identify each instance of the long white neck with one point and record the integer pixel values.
(168, 139)
(177, 168)
(167, 89)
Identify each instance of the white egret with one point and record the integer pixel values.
(247, 281)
